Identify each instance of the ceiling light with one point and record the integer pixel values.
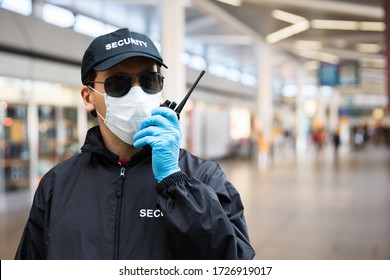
(287, 17)
(373, 62)
(311, 65)
(334, 24)
(372, 26)
(327, 57)
(303, 44)
(368, 48)
(321, 56)
(348, 25)
(88, 26)
(287, 32)
(232, 2)
(57, 16)
(23, 7)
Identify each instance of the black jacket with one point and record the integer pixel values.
(90, 207)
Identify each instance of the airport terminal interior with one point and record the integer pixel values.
(294, 106)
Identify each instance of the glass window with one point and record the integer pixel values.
(47, 138)
(69, 135)
(58, 138)
(14, 152)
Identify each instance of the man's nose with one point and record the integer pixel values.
(135, 82)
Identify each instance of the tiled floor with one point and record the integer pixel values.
(319, 207)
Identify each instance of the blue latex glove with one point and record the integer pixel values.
(162, 132)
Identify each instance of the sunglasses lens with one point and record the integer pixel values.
(117, 85)
(151, 83)
(120, 84)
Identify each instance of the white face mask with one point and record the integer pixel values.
(125, 114)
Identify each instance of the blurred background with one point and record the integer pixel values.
(294, 106)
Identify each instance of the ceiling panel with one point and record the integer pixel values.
(229, 34)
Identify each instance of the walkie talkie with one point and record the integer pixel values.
(179, 108)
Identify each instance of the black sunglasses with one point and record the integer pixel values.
(119, 85)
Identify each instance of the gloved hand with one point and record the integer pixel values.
(162, 132)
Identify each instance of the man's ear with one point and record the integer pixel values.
(87, 99)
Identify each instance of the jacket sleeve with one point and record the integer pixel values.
(204, 217)
(32, 244)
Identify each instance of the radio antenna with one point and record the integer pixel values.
(184, 101)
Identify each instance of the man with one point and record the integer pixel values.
(132, 193)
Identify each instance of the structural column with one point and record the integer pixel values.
(37, 8)
(3, 108)
(386, 7)
(82, 122)
(334, 106)
(264, 104)
(300, 117)
(172, 47)
(33, 140)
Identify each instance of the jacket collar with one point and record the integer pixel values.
(94, 144)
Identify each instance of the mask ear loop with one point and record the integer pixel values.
(97, 91)
(97, 112)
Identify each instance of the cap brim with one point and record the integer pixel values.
(111, 62)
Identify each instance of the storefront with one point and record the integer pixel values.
(42, 124)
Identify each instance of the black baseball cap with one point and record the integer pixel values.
(110, 49)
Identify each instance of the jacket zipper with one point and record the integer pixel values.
(119, 191)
